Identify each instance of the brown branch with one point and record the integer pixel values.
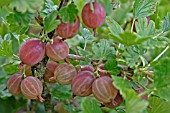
(75, 57)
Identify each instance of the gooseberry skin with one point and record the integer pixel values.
(87, 68)
(103, 89)
(31, 87)
(49, 72)
(115, 102)
(68, 30)
(51, 66)
(93, 19)
(58, 50)
(64, 73)
(14, 83)
(32, 51)
(82, 84)
(47, 75)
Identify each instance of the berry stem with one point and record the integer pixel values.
(95, 31)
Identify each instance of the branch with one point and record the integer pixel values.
(75, 57)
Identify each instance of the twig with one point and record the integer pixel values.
(75, 57)
(61, 4)
(133, 23)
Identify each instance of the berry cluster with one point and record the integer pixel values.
(85, 82)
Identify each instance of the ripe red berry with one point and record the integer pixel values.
(68, 30)
(32, 52)
(58, 50)
(103, 89)
(51, 66)
(64, 73)
(93, 19)
(115, 102)
(14, 83)
(31, 87)
(87, 68)
(82, 83)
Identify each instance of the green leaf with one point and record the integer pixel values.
(50, 22)
(6, 49)
(15, 104)
(19, 22)
(68, 13)
(61, 92)
(133, 103)
(158, 105)
(49, 7)
(133, 55)
(4, 11)
(90, 106)
(161, 78)
(86, 34)
(114, 27)
(107, 5)
(86, 54)
(160, 42)
(111, 66)
(143, 8)
(145, 28)
(27, 5)
(128, 38)
(121, 84)
(103, 50)
(5, 2)
(166, 23)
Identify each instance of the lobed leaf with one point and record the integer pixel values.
(103, 50)
(90, 106)
(113, 26)
(158, 105)
(6, 49)
(143, 8)
(166, 23)
(27, 5)
(50, 22)
(68, 13)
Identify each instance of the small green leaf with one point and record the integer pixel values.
(166, 23)
(90, 106)
(18, 22)
(161, 71)
(143, 8)
(86, 34)
(114, 27)
(6, 49)
(27, 5)
(68, 13)
(103, 50)
(50, 22)
(111, 66)
(158, 105)
(61, 92)
(129, 38)
(49, 7)
(133, 103)
(133, 55)
(145, 28)
(121, 84)
(5, 2)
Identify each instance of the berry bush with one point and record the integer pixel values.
(84, 56)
